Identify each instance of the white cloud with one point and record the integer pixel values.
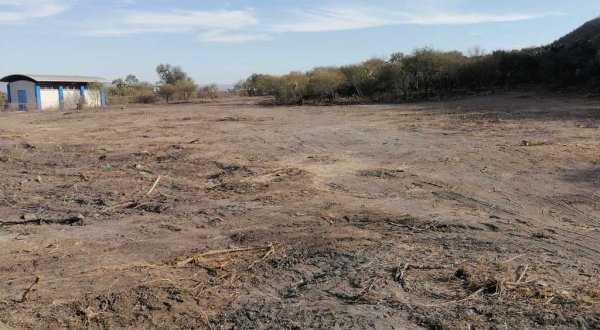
(227, 19)
(354, 17)
(467, 19)
(224, 36)
(234, 26)
(213, 26)
(130, 31)
(13, 11)
(334, 19)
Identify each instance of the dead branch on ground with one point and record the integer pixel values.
(28, 290)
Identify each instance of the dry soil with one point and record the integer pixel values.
(474, 214)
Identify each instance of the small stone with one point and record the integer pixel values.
(38, 179)
(27, 145)
(29, 217)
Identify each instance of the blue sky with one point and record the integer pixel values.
(224, 41)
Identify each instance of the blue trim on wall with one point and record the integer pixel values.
(61, 97)
(8, 92)
(102, 97)
(38, 96)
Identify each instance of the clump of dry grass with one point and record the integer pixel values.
(519, 283)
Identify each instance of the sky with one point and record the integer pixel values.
(225, 41)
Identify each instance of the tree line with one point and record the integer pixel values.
(431, 73)
(571, 62)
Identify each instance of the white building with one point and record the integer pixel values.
(26, 92)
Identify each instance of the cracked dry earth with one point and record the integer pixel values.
(476, 213)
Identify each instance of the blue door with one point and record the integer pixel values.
(22, 96)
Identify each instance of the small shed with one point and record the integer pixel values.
(41, 92)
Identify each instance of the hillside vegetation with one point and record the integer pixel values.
(572, 61)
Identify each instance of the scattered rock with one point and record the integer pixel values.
(27, 145)
(462, 274)
(169, 227)
(381, 173)
(29, 217)
(491, 226)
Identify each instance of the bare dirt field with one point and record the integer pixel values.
(466, 214)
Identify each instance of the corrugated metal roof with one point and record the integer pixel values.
(52, 78)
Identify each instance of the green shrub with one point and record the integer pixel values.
(167, 92)
(325, 83)
(185, 88)
(291, 88)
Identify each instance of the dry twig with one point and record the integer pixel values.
(458, 301)
(513, 258)
(269, 252)
(128, 204)
(28, 290)
(154, 185)
(524, 270)
(216, 252)
(122, 267)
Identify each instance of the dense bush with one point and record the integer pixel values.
(132, 88)
(174, 82)
(291, 88)
(185, 88)
(324, 83)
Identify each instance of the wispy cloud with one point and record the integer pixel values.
(333, 19)
(131, 31)
(235, 26)
(224, 36)
(354, 17)
(16, 11)
(213, 26)
(468, 19)
(227, 19)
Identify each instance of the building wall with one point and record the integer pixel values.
(72, 97)
(92, 98)
(27, 86)
(49, 99)
(49, 95)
